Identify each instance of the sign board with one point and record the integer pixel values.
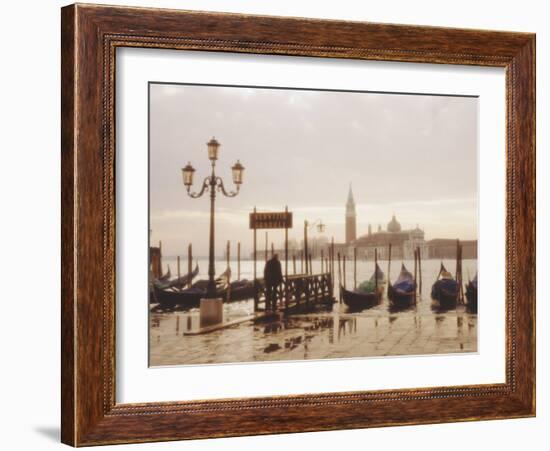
(273, 220)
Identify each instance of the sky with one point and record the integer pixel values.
(414, 156)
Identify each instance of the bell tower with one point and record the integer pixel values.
(351, 218)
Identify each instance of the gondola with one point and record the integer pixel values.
(239, 290)
(471, 295)
(368, 294)
(446, 289)
(179, 282)
(402, 292)
(186, 298)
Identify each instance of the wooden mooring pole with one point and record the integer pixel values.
(239, 260)
(389, 263)
(419, 270)
(254, 250)
(160, 259)
(339, 278)
(459, 273)
(286, 246)
(228, 260)
(178, 263)
(265, 250)
(355, 268)
(227, 253)
(457, 259)
(415, 273)
(376, 271)
(189, 264)
(344, 258)
(306, 250)
(332, 257)
(254, 266)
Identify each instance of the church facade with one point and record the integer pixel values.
(403, 242)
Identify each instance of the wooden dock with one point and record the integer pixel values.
(297, 293)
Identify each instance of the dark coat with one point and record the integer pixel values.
(273, 274)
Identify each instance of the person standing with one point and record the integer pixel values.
(273, 277)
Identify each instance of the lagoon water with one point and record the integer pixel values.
(378, 331)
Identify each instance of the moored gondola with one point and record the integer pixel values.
(368, 294)
(446, 289)
(186, 298)
(402, 292)
(172, 297)
(179, 282)
(239, 290)
(471, 295)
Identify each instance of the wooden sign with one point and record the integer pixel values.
(272, 220)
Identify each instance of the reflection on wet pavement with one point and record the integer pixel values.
(379, 331)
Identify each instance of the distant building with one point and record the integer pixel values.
(403, 242)
(440, 248)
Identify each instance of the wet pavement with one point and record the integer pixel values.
(315, 336)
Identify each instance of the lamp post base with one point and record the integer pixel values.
(211, 312)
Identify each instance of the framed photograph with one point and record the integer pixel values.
(278, 225)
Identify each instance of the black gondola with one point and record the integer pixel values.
(179, 282)
(402, 292)
(471, 295)
(369, 296)
(173, 298)
(239, 290)
(446, 289)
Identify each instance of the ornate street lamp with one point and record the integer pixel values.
(212, 183)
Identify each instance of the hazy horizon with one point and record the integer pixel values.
(414, 156)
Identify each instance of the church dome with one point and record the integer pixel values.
(393, 225)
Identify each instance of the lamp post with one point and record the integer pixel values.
(320, 229)
(212, 183)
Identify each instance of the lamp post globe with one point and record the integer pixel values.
(237, 169)
(188, 172)
(213, 147)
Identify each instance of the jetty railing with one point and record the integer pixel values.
(297, 292)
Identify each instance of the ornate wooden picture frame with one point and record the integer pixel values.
(90, 37)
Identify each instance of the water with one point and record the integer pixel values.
(422, 329)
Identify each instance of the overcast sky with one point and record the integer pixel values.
(412, 155)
